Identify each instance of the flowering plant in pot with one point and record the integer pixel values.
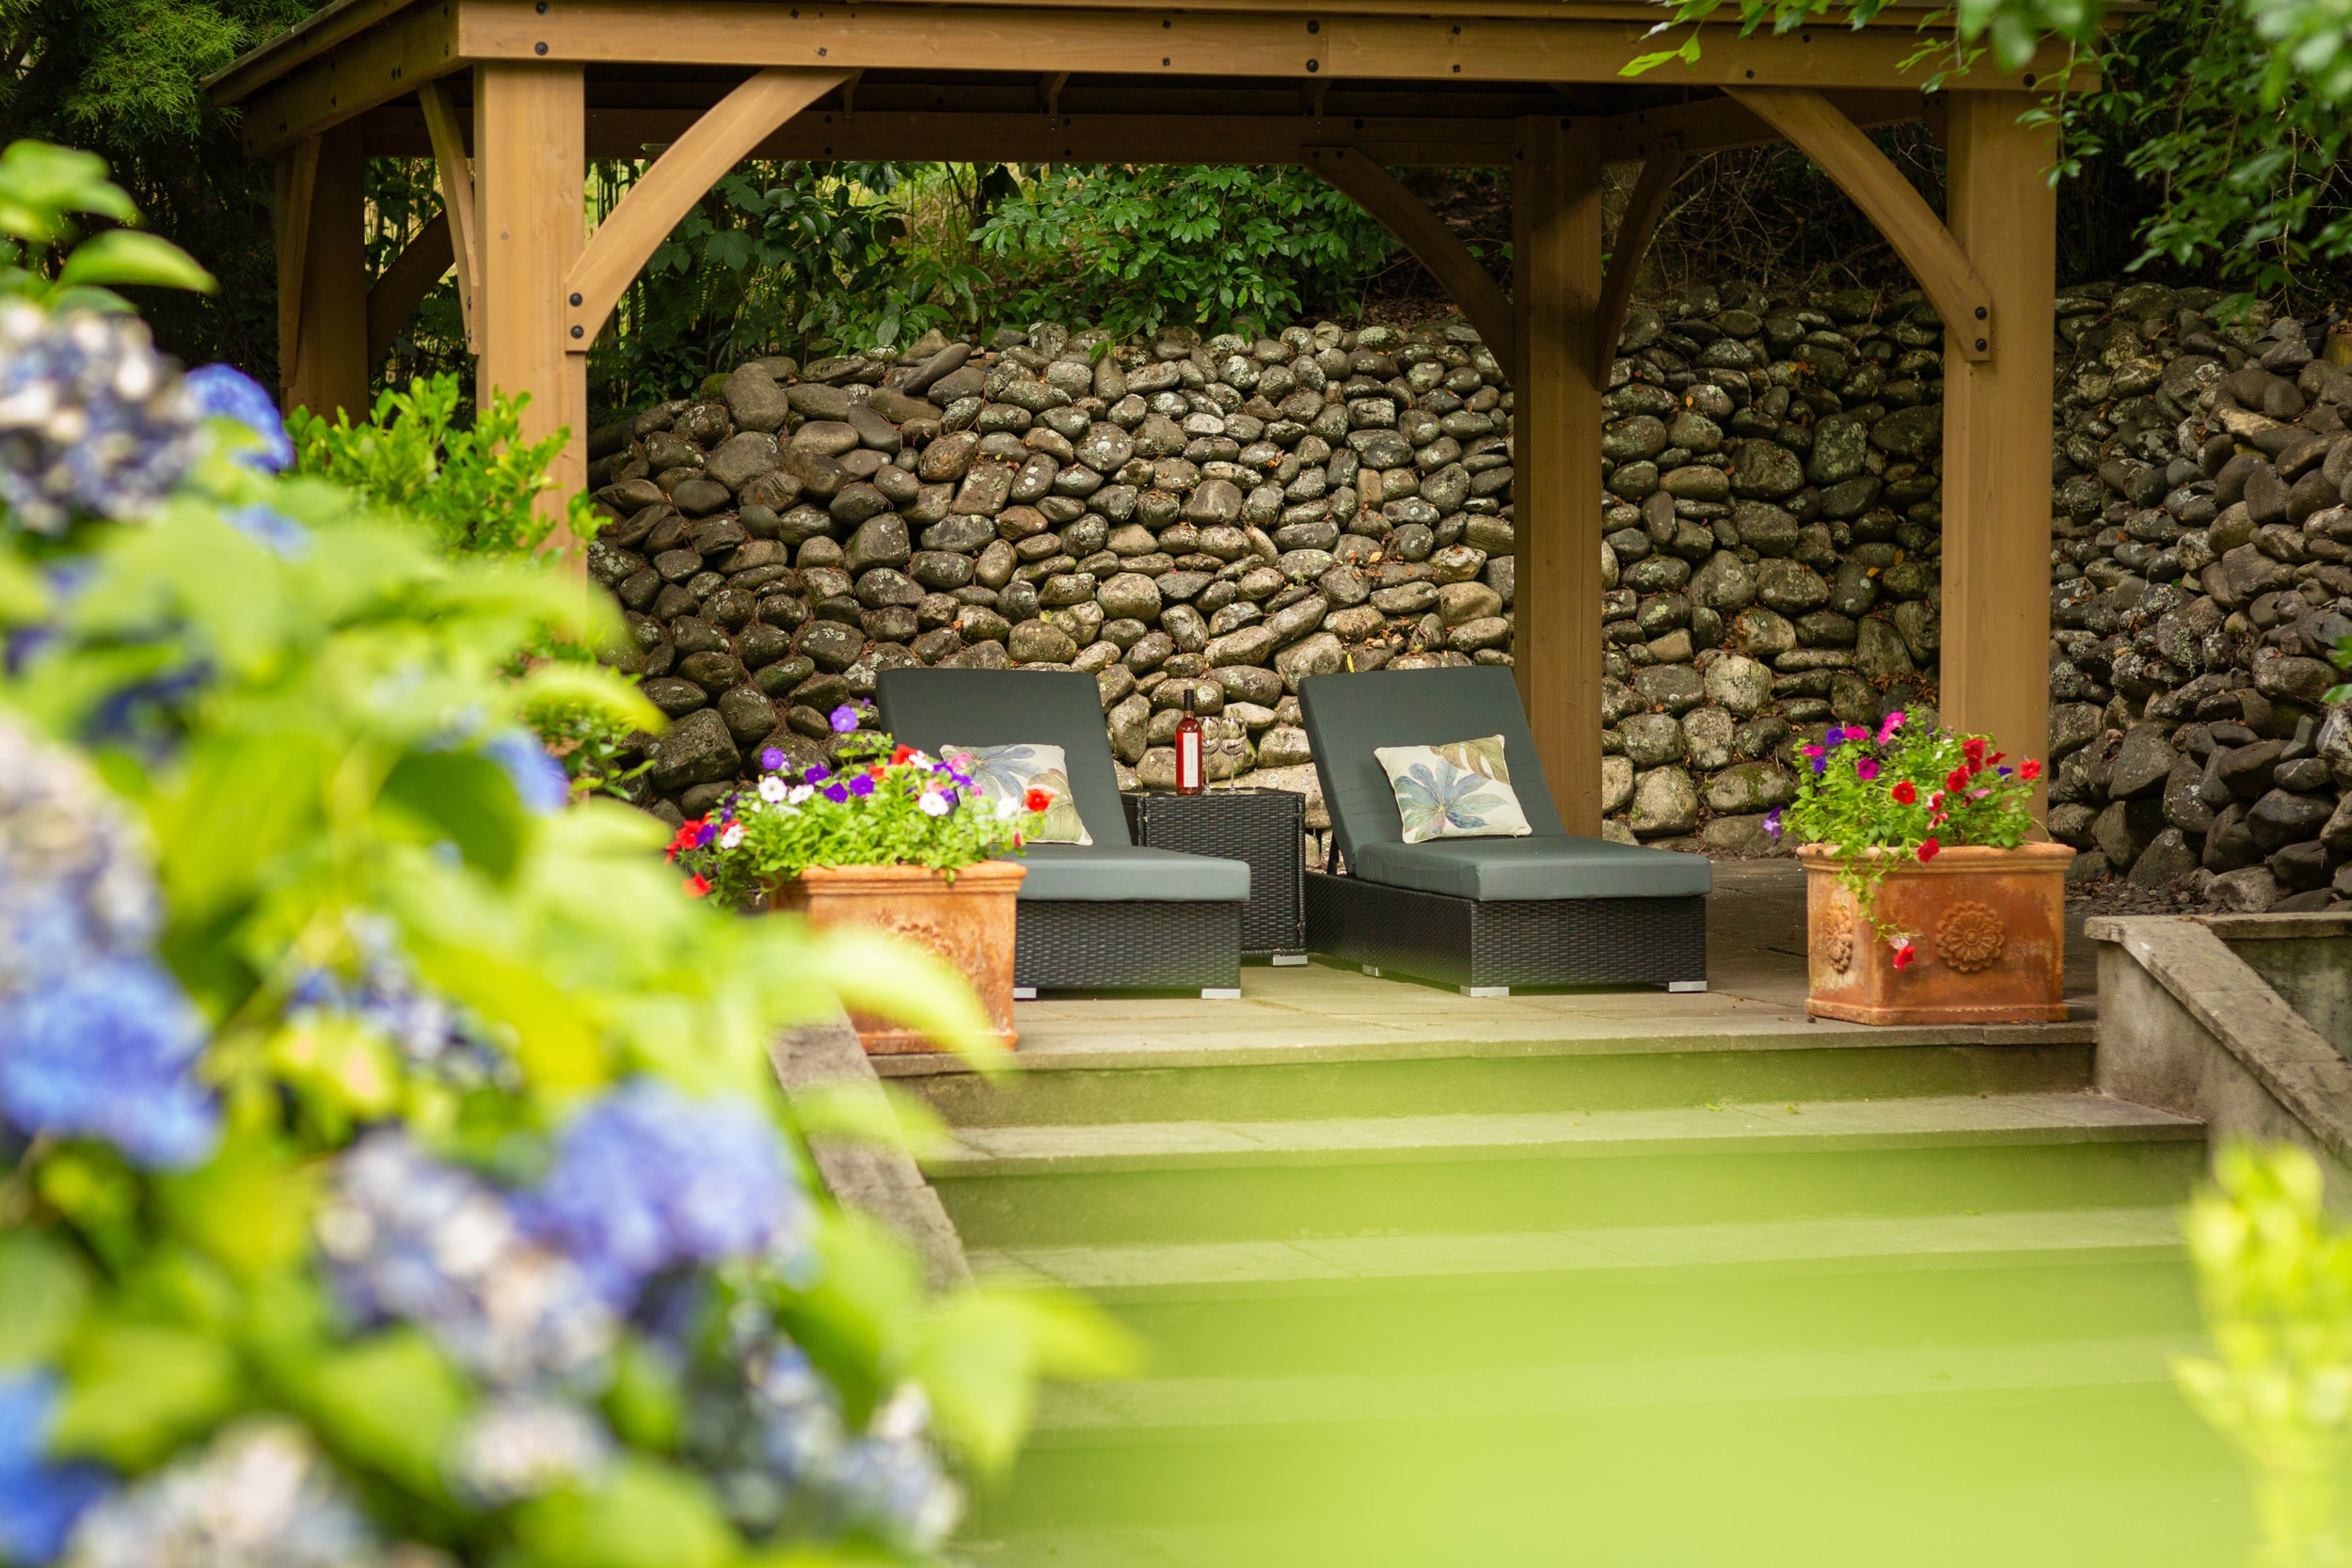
(1926, 898)
(884, 837)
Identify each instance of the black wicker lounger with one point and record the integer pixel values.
(1112, 915)
(1482, 913)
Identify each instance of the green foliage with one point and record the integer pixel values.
(1905, 792)
(126, 79)
(41, 190)
(882, 806)
(472, 484)
(1138, 247)
(305, 759)
(2274, 1272)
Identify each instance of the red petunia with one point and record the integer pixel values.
(697, 885)
(2029, 769)
(1972, 748)
(1929, 850)
(901, 755)
(1904, 792)
(1957, 780)
(876, 772)
(1037, 800)
(1903, 956)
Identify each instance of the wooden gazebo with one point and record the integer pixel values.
(513, 97)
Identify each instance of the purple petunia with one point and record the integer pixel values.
(1836, 735)
(1772, 821)
(772, 759)
(835, 793)
(843, 719)
(862, 785)
(1820, 765)
(818, 773)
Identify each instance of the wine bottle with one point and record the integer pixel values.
(1189, 767)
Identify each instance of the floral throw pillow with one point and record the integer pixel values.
(1460, 790)
(1005, 776)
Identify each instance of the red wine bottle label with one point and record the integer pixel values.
(1189, 761)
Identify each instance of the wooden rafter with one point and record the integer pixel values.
(1480, 299)
(1889, 200)
(297, 188)
(1643, 209)
(375, 66)
(714, 144)
(455, 172)
(423, 261)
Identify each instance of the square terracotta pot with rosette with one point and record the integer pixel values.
(1986, 929)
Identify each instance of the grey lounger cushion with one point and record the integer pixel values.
(1349, 716)
(1552, 867)
(1121, 872)
(931, 708)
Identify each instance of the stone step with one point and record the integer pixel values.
(1437, 1174)
(1609, 1073)
(1480, 1303)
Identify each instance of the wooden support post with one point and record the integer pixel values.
(530, 141)
(1556, 454)
(323, 275)
(1996, 431)
(1433, 244)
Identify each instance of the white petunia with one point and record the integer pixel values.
(733, 836)
(801, 794)
(933, 803)
(771, 788)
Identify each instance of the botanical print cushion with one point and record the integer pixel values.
(1460, 790)
(1004, 775)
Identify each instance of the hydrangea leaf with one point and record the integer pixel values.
(466, 798)
(644, 1515)
(44, 1287)
(877, 973)
(249, 1209)
(647, 1402)
(393, 1404)
(979, 1355)
(857, 1320)
(135, 1391)
(125, 256)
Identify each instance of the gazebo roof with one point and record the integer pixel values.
(1409, 80)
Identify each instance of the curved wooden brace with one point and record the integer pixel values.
(1887, 198)
(448, 134)
(1643, 210)
(714, 144)
(1449, 260)
(423, 261)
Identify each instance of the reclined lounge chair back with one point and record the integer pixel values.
(1545, 909)
(1110, 915)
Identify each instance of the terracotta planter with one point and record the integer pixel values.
(1989, 929)
(968, 922)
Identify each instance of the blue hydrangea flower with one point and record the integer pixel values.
(39, 1502)
(411, 1237)
(646, 1180)
(92, 420)
(260, 1495)
(386, 997)
(226, 392)
(538, 778)
(108, 1050)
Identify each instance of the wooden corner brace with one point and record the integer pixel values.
(1887, 199)
(401, 286)
(717, 142)
(1643, 208)
(442, 124)
(1480, 298)
(298, 189)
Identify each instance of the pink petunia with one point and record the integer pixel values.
(1866, 769)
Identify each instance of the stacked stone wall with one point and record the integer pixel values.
(1228, 515)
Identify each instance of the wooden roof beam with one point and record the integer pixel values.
(1889, 200)
(1170, 44)
(397, 292)
(1478, 296)
(358, 75)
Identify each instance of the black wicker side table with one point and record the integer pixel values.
(1265, 828)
